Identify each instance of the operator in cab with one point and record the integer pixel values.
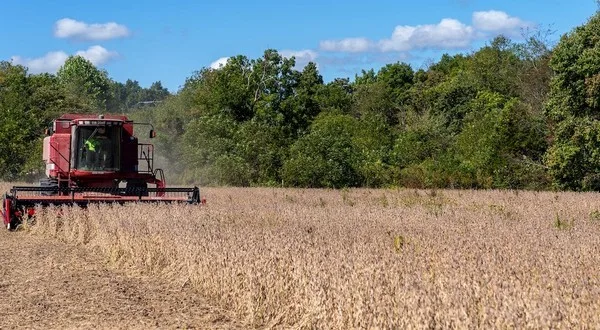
(97, 151)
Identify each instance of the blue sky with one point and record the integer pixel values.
(167, 41)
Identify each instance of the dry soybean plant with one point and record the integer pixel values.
(363, 258)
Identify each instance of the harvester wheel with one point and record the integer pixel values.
(14, 223)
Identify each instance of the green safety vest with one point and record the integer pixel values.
(91, 144)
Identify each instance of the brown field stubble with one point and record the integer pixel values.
(363, 258)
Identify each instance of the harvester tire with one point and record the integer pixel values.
(14, 223)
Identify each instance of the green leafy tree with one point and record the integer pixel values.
(117, 97)
(262, 148)
(398, 78)
(375, 100)
(372, 142)
(301, 103)
(424, 136)
(418, 149)
(209, 152)
(500, 144)
(250, 110)
(229, 90)
(494, 68)
(46, 97)
(15, 131)
(365, 77)
(574, 108)
(46, 101)
(326, 156)
(85, 84)
(383, 94)
(27, 104)
(131, 96)
(448, 64)
(450, 99)
(534, 76)
(336, 96)
(156, 92)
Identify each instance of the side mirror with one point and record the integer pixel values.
(152, 134)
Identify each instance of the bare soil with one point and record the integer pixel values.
(47, 284)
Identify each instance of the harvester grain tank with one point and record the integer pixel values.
(94, 159)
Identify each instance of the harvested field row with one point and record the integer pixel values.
(46, 284)
(363, 258)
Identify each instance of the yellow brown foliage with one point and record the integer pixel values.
(363, 258)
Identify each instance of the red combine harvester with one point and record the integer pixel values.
(94, 159)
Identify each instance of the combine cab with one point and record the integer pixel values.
(94, 159)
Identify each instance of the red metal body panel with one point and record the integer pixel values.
(73, 116)
(7, 211)
(60, 154)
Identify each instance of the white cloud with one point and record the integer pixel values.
(400, 40)
(351, 45)
(497, 21)
(219, 63)
(70, 28)
(47, 63)
(52, 61)
(97, 54)
(303, 57)
(449, 33)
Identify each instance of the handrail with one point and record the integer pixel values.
(146, 153)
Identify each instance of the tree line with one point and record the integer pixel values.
(514, 115)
